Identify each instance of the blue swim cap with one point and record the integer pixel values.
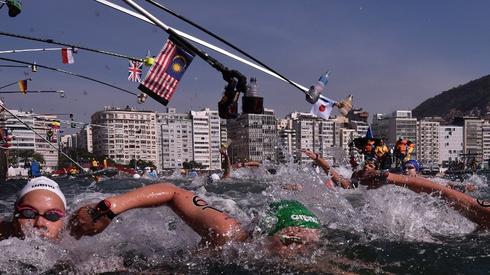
(413, 163)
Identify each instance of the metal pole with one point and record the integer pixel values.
(70, 73)
(30, 50)
(200, 42)
(222, 40)
(51, 41)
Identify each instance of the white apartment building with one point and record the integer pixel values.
(450, 143)
(206, 138)
(346, 136)
(360, 127)
(486, 142)
(428, 141)
(286, 136)
(253, 137)
(473, 138)
(42, 123)
(85, 138)
(391, 127)
(223, 131)
(25, 139)
(125, 134)
(68, 142)
(175, 135)
(312, 133)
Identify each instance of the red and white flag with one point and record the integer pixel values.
(67, 56)
(163, 77)
(322, 108)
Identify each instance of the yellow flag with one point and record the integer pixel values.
(23, 86)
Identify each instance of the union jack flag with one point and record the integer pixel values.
(135, 70)
(163, 77)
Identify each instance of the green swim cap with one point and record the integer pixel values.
(292, 213)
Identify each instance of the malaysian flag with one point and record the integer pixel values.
(163, 77)
(135, 70)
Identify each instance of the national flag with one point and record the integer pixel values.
(369, 133)
(67, 56)
(135, 70)
(163, 77)
(23, 86)
(322, 108)
(55, 124)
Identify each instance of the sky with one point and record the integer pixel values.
(390, 55)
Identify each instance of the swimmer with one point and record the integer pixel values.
(228, 167)
(336, 178)
(39, 209)
(475, 210)
(296, 229)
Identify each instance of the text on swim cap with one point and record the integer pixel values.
(43, 185)
(304, 218)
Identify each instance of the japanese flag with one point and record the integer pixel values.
(322, 108)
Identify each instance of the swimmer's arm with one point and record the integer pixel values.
(252, 164)
(227, 164)
(464, 203)
(214, 226)
(336, 177)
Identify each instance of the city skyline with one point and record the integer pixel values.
(389, 56)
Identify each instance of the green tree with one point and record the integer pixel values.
(78, 154)
(140, 163)
(191, 165)
(17, 156)
(39, 157)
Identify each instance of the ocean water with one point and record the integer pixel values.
(383, 231)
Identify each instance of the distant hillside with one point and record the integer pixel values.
(472, 98)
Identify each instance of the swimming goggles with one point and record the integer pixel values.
(52, 215)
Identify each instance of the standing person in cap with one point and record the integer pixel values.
(39, 210)
(292, 227)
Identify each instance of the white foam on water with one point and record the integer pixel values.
(142, 239)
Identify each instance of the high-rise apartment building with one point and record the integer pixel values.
(391, 127)
(286, 143)
(486, 143)
(472, 137)
(253, 137)
(206, 138)
(125, 134)
(450, 143)
(25, 139)
(85, 139)
(175, 135)
(428, 141)
(316, 134)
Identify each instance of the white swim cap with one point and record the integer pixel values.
(214, 177)
(42, 183)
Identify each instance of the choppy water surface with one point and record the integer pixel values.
(389, 230)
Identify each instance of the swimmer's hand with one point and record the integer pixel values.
(86, 222)
(310, 154)
(373, 178)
